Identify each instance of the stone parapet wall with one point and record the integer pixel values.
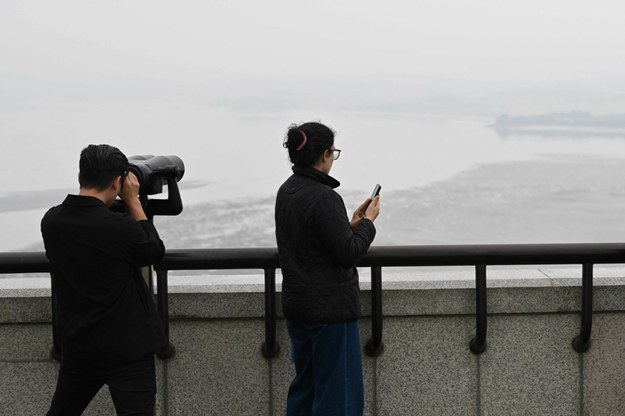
(528, 368)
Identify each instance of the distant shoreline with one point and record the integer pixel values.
(575, 124)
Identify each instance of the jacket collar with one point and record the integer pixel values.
(317, 175)
(83, 201)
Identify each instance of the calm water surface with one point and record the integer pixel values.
(239, 156)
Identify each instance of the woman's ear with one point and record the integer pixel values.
(327, 154)
(322, 159)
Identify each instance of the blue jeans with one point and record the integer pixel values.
(328, 366)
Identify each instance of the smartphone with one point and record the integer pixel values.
(376, 191)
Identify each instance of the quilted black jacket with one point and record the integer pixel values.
(318, 250)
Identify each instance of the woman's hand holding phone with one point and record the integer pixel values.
(369, 209)
(373, 209)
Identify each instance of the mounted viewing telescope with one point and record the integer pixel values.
(153, 172)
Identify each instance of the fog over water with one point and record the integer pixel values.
(413, 91)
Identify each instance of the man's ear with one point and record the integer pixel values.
(116, 185)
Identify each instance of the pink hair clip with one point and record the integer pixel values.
(303, 143)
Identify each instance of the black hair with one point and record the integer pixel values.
(99, 165)
(307, 142)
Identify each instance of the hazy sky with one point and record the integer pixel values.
(333, 50)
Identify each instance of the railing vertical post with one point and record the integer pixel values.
(478, 344)
(374, 346)
(270, 347)
(162, 298)
(581, 343)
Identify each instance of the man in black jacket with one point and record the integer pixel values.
(109, 328)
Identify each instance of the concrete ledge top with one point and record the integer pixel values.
(419, 291)
(392, 279)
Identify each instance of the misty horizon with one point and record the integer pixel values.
(479, 59)
(368, 94)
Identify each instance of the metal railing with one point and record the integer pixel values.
(265, 259)
(479, 256)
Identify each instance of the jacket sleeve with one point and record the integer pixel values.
(331, 226)
(143, 244)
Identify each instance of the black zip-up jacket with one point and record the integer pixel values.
(106, 314)
(318, 250)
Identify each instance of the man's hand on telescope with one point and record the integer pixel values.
(129, 193)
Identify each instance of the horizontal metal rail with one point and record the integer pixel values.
(479, 256)
(26, 262)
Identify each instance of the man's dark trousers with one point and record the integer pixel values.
(132, 388)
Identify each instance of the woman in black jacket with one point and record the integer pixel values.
(319, 248)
